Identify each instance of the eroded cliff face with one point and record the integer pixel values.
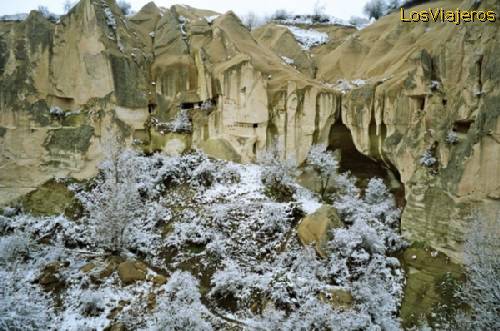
(431, 89)
(426, 88)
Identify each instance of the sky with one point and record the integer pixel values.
(339, 8)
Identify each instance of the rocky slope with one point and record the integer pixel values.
(403, 91)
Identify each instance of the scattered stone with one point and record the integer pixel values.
(159, 280)
(151, 301)
(118, 326)
(341, 298)
(314, 228)
(49, 277)
(131, 271)
(88, 267)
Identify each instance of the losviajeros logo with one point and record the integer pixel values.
(456, 16)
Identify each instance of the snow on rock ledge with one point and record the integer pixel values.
(308, 38)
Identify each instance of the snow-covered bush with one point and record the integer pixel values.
(180, 124)
(452, 138)
(278, 174)
(324, 163)
(280, 14)
(427, 159)
(110, 18)
(125, 7)
(207, 105)
(22, 305)
(239, 284)
(48, 14)
(12, 247)
(57, 112)
(92, 304)
(114, 201)
(375, 8)
(378, 8)
(481, 291)
(319, 10)
(180, 307)
(377, 209)
(250, 20)
(379, 290)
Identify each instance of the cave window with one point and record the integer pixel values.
(255, 125)
(421, 103)
(187, 105)
(418, 102)
(462, 126)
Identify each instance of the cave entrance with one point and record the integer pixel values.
(361, 166)
(364, 168)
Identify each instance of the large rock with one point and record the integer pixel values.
(131, 272)
(341, 298)
(315, 227)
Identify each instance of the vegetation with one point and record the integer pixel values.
(481, 291)
(378, 8)
(228, 248)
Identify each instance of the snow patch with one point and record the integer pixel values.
(308, 38)
(287, 60)
(15, 17)
(307, 200)
(210, 19)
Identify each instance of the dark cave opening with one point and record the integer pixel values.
(362, 166)
(351, 159)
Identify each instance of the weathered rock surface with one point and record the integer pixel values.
(431, 284)
(131, 271)
(315, 228)
(416, 84)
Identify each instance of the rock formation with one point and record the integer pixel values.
(419, 99)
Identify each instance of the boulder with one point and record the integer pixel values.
(88, 267)
(341, 298)
(50, 278)
(131, 271)
(314, 228)
(159, 280)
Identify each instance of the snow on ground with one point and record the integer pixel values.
(206, 224)
(249, 187)
(345, 86)
(15, 17)
(288, 60)
(212, 18)
(308, 38)
(307, 200)
(308, 20)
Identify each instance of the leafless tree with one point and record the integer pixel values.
(481, 290)
(250, 20)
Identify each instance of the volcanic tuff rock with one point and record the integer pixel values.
(405, 89)
(315, 227)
